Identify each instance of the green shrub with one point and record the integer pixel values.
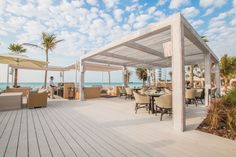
(231, 97)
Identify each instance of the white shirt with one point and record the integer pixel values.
(51, 83)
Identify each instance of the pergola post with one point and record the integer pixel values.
(149, 77)
(178, 81)
(63, 76)
(81, 87)
(76, 74)
(217, 79)
(8, 68)
(207, 77)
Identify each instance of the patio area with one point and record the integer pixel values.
(104, 127)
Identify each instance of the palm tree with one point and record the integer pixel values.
(126, 76)
(16, 49)
(142, 74)
(227, 69)
(48, 43)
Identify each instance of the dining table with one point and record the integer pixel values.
(151, 99)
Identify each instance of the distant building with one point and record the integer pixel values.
(163, 74)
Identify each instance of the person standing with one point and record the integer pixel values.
(52, 87)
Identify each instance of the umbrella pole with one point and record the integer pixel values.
(109, 77)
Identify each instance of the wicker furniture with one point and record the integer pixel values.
(141, 101)
(190, 96)
(164, 104)
(36, 99)
(129, 93)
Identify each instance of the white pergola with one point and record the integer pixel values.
(169, 43)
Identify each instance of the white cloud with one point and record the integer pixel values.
(118, 14)
(151, 10)
(212, 3)
(141, 21)
(174, 4)
(197, 23)
(133, 7)
(92, 2)
(161, 2)
(233, 22)
(190, 12)
(110, 3)
(209, 11)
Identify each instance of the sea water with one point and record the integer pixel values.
(87, 84)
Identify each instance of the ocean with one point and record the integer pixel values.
(87, 84)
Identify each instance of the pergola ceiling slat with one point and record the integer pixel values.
(144, 49)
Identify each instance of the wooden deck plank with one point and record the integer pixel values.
(121, 146)
(92, 141)
(33, 146)
(68, 137)
(2, 117)
(4, 122)
(22, 150)
(65, 147)
(93, 135)
(93, 149)
(79, 128)
(12, 146)
(6, 134)
(42, 141)
(53, 143)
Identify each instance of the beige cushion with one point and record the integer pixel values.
(42, 90)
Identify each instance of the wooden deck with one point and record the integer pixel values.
(104, 127)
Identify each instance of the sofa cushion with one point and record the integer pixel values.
(42, 90)
(35, 90)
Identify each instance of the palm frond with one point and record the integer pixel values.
(16, 48)
(32, 45)
(59, 41)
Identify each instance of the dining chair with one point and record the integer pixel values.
(199, 95)
(190, 96)
(129, 93)
(164, 104)
(141, 101)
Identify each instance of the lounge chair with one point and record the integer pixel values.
(190, 96)
(164, 104)
(141, 101)
(129, 93)
(37, 99)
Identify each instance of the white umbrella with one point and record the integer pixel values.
(18, 60)
(21, 60)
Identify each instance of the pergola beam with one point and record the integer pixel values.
(107, 62)
(126, 58)
(144, 49)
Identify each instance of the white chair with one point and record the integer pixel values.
(141, 101)
(164, 104)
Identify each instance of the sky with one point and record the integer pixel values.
(89, 24)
